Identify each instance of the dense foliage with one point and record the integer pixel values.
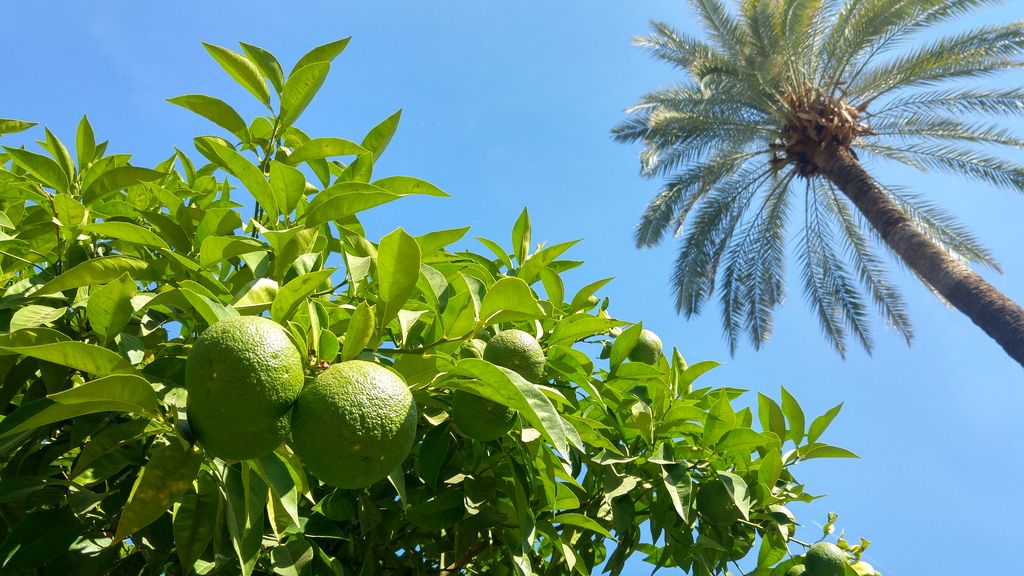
(110, 271)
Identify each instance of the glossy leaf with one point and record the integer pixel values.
(299, 90)
(125, 231)
(35, 315)
(117, 393)
(214, 110)
(110, 306)
(378, 138)
(509, 299)
(242, 69)
(359, 333)
(294, 292)
(195, 520)
(324, 148)
(42, 167)
(398, 269)
(78, 355)
(325, 53)
(508, 388)
(267, 64)
(407, 185)
(167, 475)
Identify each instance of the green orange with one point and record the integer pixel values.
(517, 351)
(354, 424)
(242, 374)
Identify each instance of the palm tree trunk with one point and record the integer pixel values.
(1000, 317)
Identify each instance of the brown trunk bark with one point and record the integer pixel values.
(1000, 317)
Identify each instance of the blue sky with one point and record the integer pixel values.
(509, 105)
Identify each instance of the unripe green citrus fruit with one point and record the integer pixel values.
(517, 351)
(243, 373)
(825, 559)
(715, 504)
(647, 349)
(479, 418)
(244, 445)
(354, 423)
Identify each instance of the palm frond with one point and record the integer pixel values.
(925, 126)
(828, 286)
(679, 194)
(724, 28)
(752, 284)
(868, 266)
(943, 228)
(954, 160)
(968, 55)
(865, 29)
(996, 102)
(667, 44)
(701, 249)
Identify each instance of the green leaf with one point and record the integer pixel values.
(110, 307)
(292, 294)
(509, 299)
(581, 521)
(125, 231)
(679, 486)
(432, 242)
(9, 126)
(579, 301)
(325, 53)
(248, 173)
(78, 355)
(194, 521)
(521, 231)
(771, 416)
(821, 423)
(407, 185)
(267, 64)
(302, 85)
(578, 326)
(37, 538)
(498, 251)
(324, 148)
(117, 393)
(508, 388)
(398, 269)
(246, 497)
(116, 179)
(795, 415)
(624, 344)
(539, 261)
(359, 333)
(35, 315)
(288, 184)
(214, 110)
(45, 169)
(242, 69)
(816, 450)
(743, 439)
(218, 248)
(85, 143)
(770, 466)
(377, 139)
(257, 295)
(167, 475)
(211, 310)
(60, 153)
(342, 206)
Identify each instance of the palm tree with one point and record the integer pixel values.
(789, 96)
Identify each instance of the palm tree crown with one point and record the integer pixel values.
(780, 94)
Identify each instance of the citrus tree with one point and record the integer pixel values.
(187, 390)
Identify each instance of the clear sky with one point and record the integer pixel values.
(508, 104)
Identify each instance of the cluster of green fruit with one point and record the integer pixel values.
(353, 423)
(827, 559)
